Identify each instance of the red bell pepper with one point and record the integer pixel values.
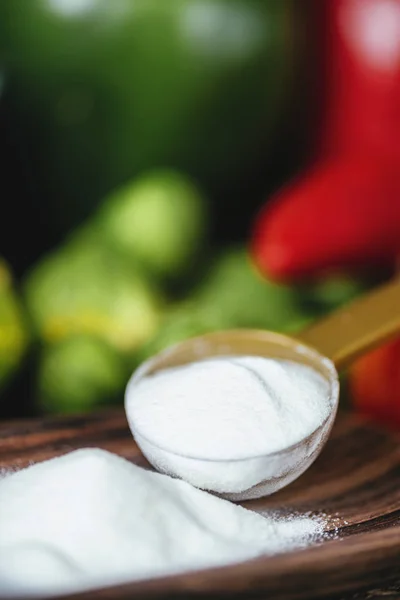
(343, 212)
(362, 76)
(374, 384)
(345, 209)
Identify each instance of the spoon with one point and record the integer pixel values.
(327, 346)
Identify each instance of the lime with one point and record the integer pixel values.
(13, 328)
(159, 219)
(85, 289)
(78, 374)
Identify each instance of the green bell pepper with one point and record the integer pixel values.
(104, 89)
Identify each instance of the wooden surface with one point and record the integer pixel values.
(356, 481)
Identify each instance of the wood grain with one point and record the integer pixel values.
(356, 482)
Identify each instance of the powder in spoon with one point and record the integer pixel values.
(228, 408)
(91, 519)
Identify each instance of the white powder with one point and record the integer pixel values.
(91, 518)
(188, 418)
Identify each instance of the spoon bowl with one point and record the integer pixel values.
(253, 476)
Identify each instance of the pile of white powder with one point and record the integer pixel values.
(91, 519)
(190, 418)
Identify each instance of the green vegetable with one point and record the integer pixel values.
(158, 219)
(79, 374)
(231, 295)
(330, 292)
(105, 89)
(180, 323)
(235, 291)
(84, 289)
(14, 334)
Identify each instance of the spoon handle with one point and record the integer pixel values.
(358, 326)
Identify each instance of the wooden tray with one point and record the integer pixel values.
(356, 480)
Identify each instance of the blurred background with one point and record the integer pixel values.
(176, 167)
